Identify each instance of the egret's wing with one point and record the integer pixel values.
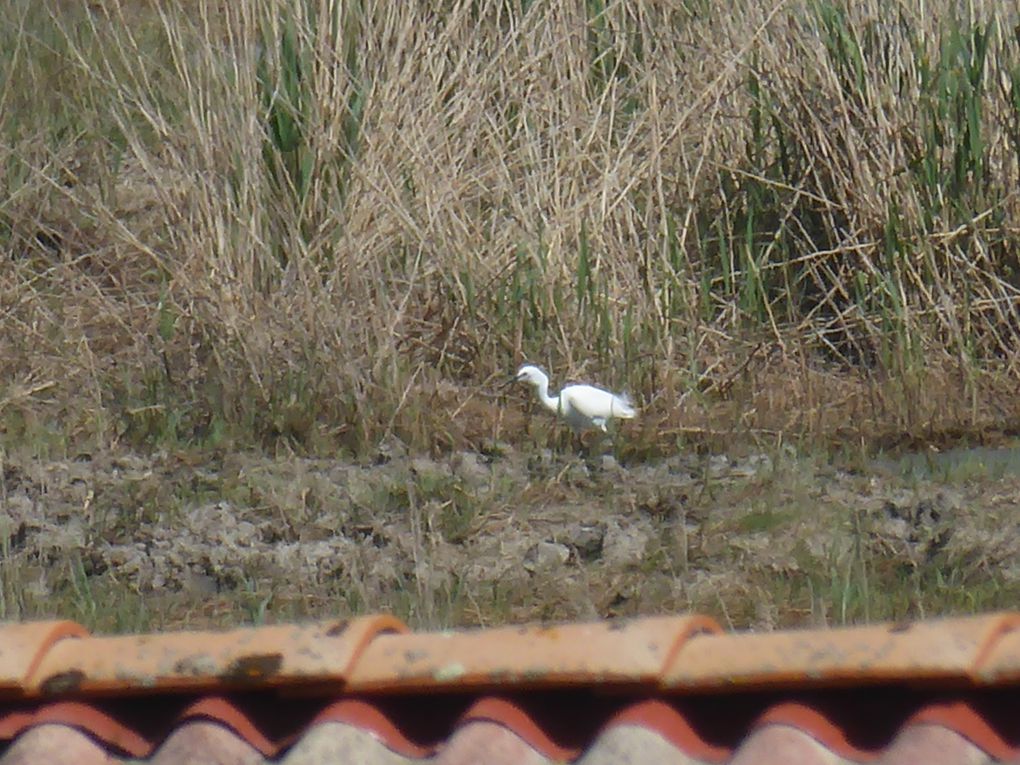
(596, 403)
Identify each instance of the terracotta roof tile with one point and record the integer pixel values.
(54, 743)
(940, 649)
(276, 655)
(607, 652)
(335, 742)
(489, 742)
(364, 716)
(672, 726)
(666, 690)
(112, 732)
(931, 743)
(1002, 660)
(784, 744)
(205, 742)
(23, 646)
(971, 724)
(227, 716)
(829, 733)
(636, 744)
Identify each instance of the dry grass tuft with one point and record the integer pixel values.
(326, 223)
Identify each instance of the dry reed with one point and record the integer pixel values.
(329, 223)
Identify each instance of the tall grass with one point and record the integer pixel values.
(329, 223)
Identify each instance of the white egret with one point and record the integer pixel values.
(581, 406)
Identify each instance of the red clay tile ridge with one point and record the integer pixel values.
(663, 689)
(274, 656)
(374, 654)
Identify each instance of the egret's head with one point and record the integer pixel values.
(531, 375)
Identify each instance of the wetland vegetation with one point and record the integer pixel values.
(263, 264)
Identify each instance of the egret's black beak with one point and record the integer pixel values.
(507, 383)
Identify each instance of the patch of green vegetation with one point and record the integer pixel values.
(458, 516)
(765, 520)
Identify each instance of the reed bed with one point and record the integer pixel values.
(325, 225)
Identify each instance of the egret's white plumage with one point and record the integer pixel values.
(581, 406)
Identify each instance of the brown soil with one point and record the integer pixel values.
(130, 542)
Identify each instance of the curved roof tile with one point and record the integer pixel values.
(664, 689)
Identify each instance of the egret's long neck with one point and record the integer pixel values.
(552, 403)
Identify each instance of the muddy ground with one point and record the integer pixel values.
(130, 542)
